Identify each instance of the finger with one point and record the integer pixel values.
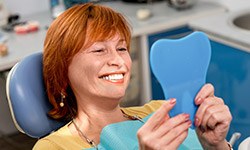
(148, 142)
(176, 136)
(208, 102)
(224, 116)
(211, 113)
(156, 119)
(155, 137)
(178, 141)
(172, 123)
(206, 91)
(156, 143)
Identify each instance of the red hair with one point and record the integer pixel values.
(65, 37)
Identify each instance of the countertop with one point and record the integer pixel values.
(21, 45)
(220, 28)
(163, 18)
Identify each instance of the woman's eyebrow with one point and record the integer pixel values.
(101, 41)
(122, 40)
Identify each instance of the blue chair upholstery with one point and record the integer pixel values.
(27, 98)
(180, 66)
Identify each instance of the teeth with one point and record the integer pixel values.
(113, 77)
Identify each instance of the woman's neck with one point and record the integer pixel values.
(91, 119)
(95, 116)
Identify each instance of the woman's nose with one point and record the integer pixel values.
(115, 59)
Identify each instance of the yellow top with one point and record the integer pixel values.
(62, 139)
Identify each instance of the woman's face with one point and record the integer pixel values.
(102, 70)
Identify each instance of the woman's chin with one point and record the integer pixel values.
(116, 96)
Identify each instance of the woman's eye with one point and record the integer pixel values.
(122, 49)
(98, 50)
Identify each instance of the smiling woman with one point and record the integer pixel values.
(87, 69)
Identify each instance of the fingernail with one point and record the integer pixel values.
(172, 101)
(198, 100)
(196, 121)
(187, 116)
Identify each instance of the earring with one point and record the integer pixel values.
(62, 98)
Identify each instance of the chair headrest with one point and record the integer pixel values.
(27, 98)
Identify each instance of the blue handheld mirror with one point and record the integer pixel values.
(180, 66)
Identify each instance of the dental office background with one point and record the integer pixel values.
(28, 7)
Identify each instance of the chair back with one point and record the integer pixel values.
(180, 66)
(27, 98)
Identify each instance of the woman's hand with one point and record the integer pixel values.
(212, 119)
(163, 132)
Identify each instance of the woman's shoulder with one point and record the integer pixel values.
(145, 110)
(60, 139)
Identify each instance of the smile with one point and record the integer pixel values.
(113, 77)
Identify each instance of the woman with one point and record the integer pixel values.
(86, 69)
